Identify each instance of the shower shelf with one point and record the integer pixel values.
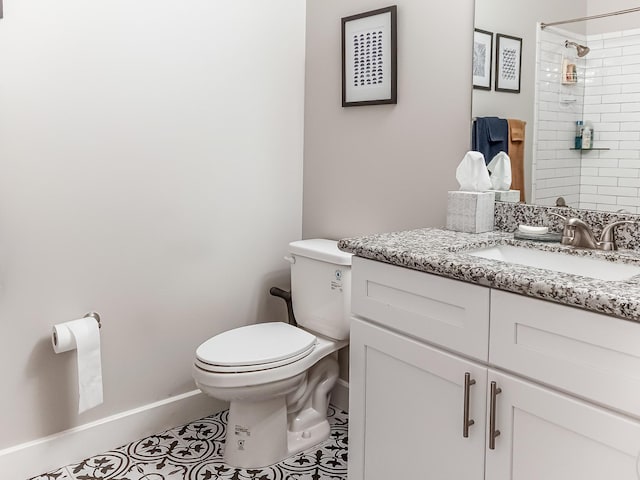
(587, 149)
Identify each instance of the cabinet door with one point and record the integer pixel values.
(406, 410)
(585, 353)
(441, 311)
(552, 436)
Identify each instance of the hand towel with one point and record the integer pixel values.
(490, 136)
(516, 154)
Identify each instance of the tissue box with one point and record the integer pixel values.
(470, 212)
(507, 196)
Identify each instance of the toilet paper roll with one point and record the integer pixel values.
(82, 335)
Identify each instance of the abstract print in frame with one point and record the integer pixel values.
(482, 57)
(508, 63)
(369, 64)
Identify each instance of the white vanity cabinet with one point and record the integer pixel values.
(565, 396)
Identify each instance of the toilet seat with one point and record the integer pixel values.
(255, 347)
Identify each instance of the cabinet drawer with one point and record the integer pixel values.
(445, 312)
(585, 353)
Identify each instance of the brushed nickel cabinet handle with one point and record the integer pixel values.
(493, 433)
(466, 422)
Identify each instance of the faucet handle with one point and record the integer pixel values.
(568, 230)
(607, 238)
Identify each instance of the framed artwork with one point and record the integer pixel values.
(508, 63)
(369, 61)
(482, 57)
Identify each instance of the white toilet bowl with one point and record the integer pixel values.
(277, 377)
(278, 398)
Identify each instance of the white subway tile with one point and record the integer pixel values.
(600, 162)
(587, 205)
(602, 108)
(608, 126)
(629, 69)
(626, 158)
(592, 99)
(545, 115)
(547, 135)
(629, 182)
(598, 180)
(600, 199)
(621, 98)
(612, 58)
(620, 80)
(624, 206)
(610, 35)
(608, 71)
(618, 191)
(589, 171)
(606, 136)
(619, 117)
(610, 44)
(605, 90)
(628, 201)
(618, 172)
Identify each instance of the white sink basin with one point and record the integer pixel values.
(559, 262)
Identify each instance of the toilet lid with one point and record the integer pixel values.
(257, 346)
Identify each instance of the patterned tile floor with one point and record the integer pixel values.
(194, 452)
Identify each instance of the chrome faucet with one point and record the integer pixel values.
(578, 234)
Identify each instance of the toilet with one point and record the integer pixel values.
(278, 377)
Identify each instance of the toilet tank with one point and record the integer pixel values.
(321, 287)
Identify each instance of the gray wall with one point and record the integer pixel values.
(151, 159)
(383, 168)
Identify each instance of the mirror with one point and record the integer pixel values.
(602, 90)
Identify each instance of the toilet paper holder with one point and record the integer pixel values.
(94, 315)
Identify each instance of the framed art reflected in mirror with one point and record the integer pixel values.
(508, 63)
(482, 59)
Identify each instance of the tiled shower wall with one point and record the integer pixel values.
(556, 168)
(608, 96)
(610, 179)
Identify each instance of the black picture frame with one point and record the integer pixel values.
(508, 63)
(482, 63)
(369, 58)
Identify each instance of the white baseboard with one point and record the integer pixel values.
(73, 445)
(340, 395)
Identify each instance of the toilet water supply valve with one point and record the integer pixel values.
(286, 296)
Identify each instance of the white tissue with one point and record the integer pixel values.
(472, 173)
(500, 168)
(82, 335)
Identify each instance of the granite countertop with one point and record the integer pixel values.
(444, 252)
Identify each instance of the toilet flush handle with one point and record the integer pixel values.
(291, 260)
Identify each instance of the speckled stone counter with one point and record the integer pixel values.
(445, 253)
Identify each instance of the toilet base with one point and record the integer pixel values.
(256, 433)
(265, 432)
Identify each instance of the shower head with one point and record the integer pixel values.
(582, 50)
